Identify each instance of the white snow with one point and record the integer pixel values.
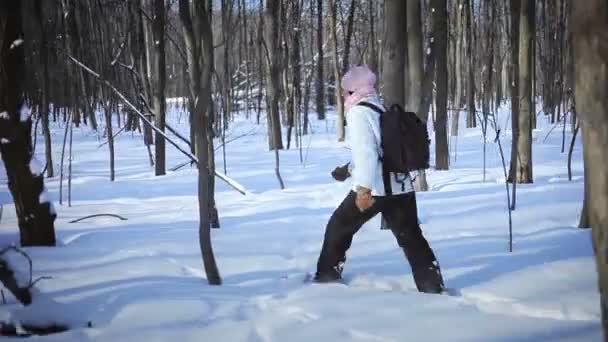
(36, 166)
(143, 279)
(44, 197)
(4, 115)
(25, 113)
(16, 43)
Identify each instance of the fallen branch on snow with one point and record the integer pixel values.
(98, 215)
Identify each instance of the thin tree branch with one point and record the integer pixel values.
(220, 175)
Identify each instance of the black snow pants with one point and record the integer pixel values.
(401, 214)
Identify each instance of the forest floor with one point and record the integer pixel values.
(143, 279)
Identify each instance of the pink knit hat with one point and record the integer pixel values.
(359, 82)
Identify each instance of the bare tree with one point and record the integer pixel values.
(441, 79)
(526, 110)
(393, 53)
(273, 83)
(471, 119)
(338, 69)
(159, 76)
(35, 213)
(590, 43)
(199, 42)
(320, 82)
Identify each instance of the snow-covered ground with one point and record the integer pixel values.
(142, 279)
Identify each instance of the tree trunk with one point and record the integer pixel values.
(590, 43)
(44, 88)
(441, 79)
(199, 38)
(415, 71)
(414, 55)
(514, 78)
(273, 76)
(393, 53)
(471, 119)
(526, 111)
(332, 5)
(320, 84)
(159, 76)
(35, 214)
(457, 70)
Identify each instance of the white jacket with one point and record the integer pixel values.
(363, 136)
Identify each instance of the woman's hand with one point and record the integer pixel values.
(364, 198)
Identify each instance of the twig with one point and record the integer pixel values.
(220, 175)
(176, 133)
(9, 281)
(115, 135)
(571, 150)
(554, 125)
(504, 168)
(65, 137)
(98, 215)
(39, 279)
(236, 138)
(180, 166)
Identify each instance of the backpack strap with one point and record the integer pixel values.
(386, 177)
(371, 106)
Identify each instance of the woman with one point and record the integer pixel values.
(368, 196)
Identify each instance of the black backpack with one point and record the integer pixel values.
(405, 139)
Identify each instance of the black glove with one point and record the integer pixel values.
(341, 173)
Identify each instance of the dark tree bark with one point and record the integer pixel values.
(44, 84)
(471, 119)
(199, 40)
(590, 43)
(348, 37)
(441, 79)
(414, 55)
(320, 82)
(159, 75)
(393, 53)
(338, 70)
(273, 82)
(25, 181)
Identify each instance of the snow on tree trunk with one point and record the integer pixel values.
(35, 213)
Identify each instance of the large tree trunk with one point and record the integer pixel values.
(526, 110)
(320, 82)
(273, 85)
(159, 75)
(440, 29)
(415, 71)
(199, 38)
(393, 53)
(414, 55)
(35, 214)
(590, 43)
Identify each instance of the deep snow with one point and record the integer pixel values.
(142, 279)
